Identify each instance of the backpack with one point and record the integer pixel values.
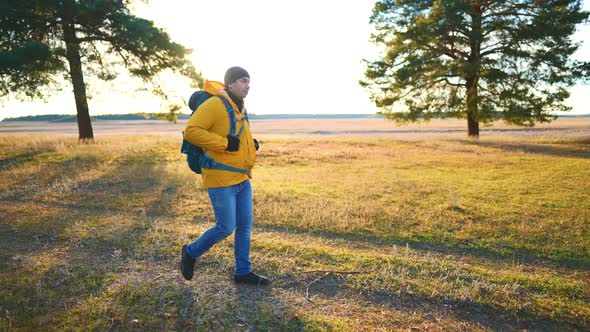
(196, 157)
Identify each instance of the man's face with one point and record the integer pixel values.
(240, 87)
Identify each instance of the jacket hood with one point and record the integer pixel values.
(218, 89)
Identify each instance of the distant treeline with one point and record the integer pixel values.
(184, 116)
(72, 118)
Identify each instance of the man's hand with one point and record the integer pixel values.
(233, 143)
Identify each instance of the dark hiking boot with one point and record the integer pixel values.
(187, 264)
(252, 279)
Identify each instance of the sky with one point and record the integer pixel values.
(303, 56)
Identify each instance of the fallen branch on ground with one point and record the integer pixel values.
(336, 272)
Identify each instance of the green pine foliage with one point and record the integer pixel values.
(480, 60)
(42, 39)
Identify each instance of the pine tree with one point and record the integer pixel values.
(475, 59)
(41, 39)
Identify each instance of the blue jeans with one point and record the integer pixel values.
(233, 210)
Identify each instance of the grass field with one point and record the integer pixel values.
(438, 234)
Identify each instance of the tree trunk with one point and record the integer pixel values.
(472, 126)
(472, 79)
(73, 56)
(472, 108)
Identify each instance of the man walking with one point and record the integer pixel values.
(230, 191)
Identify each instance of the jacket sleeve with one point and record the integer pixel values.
(198, 128)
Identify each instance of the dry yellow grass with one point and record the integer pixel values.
(564, 128)
(446, 234)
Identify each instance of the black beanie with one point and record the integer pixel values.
(233, 74)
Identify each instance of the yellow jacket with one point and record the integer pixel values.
(208, 128)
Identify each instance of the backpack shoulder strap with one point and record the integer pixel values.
(231, 116)
(245, 118)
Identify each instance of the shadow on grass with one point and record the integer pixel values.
(477, 313)
(509, 255)
(82, 261)
(571, 151)
(43, 177)
(18, 160)
(263, 309)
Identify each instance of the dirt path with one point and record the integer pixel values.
(561, 128)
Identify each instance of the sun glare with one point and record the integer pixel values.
(303, 57)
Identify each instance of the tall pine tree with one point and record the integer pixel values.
(39, 39)
(482, 60)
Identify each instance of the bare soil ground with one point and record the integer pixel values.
(561, 128)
